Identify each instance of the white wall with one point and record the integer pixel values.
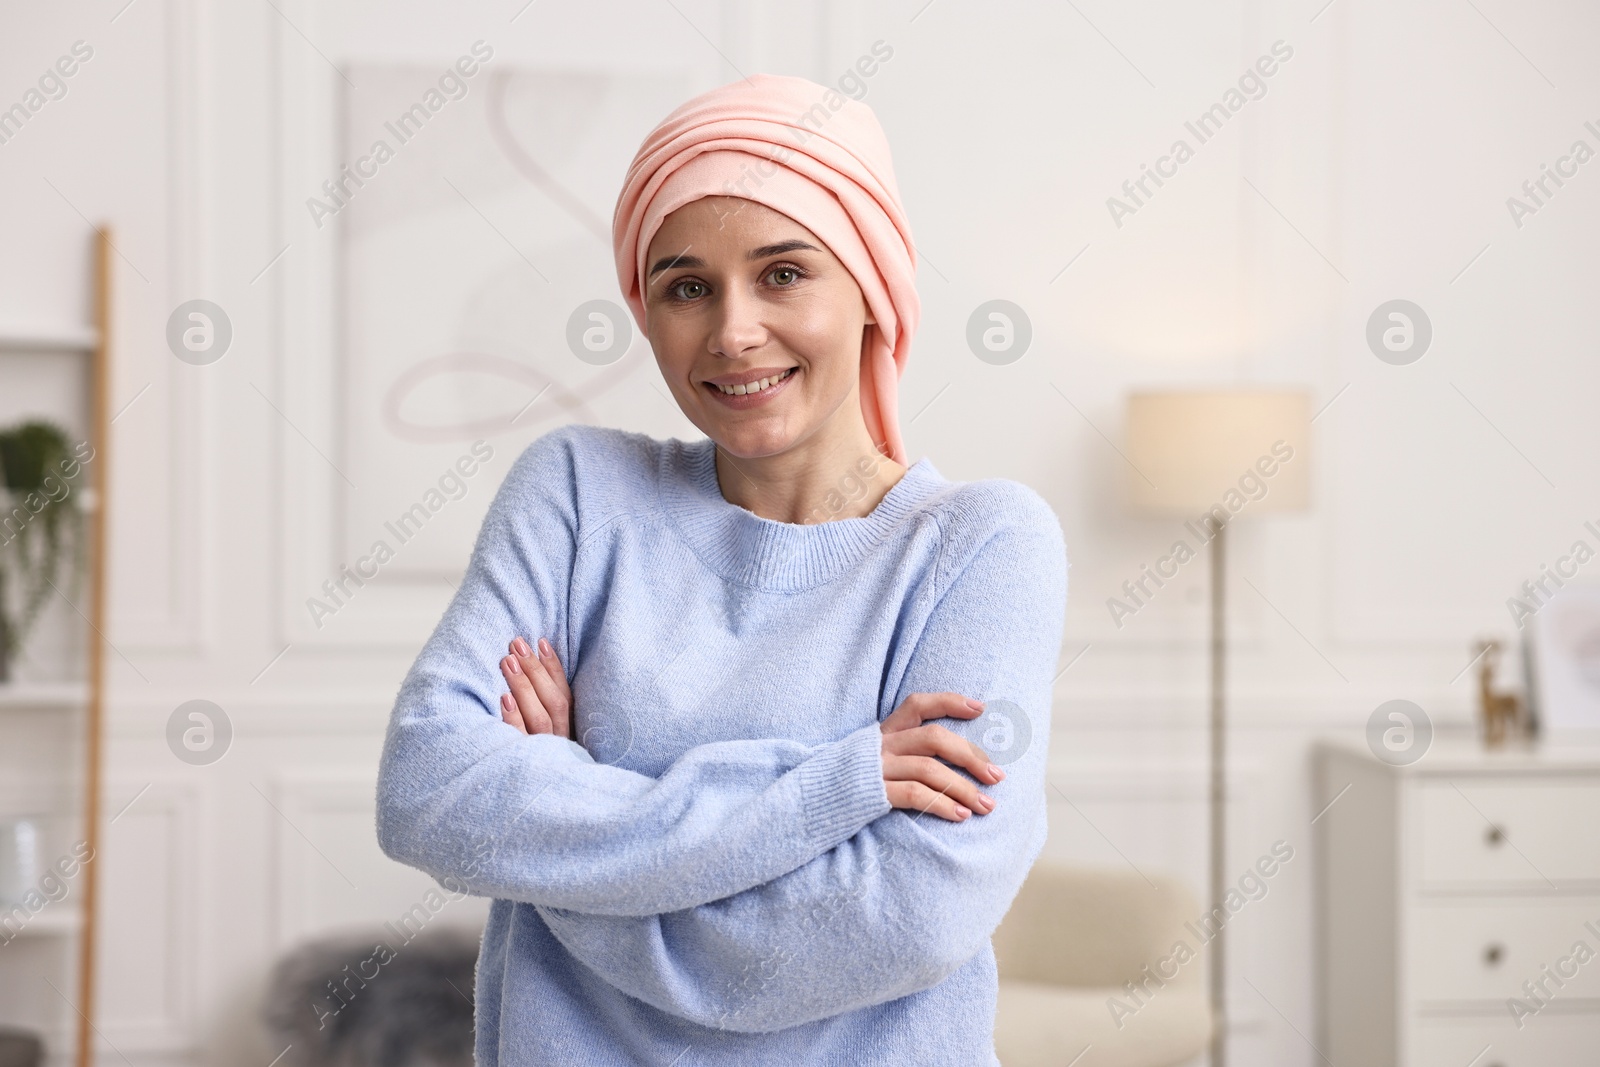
(1376, 167)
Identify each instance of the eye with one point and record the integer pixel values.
(686, 289)
(785, 275)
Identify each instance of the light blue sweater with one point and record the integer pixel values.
(714, 876)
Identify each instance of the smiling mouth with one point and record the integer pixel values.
(756, 386)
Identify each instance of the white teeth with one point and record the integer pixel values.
(754, 387)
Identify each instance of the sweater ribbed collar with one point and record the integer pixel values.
(743, 547)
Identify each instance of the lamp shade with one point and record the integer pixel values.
(1192, 452)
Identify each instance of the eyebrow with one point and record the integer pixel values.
(685, 260)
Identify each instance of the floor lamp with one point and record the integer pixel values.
(1210, 457)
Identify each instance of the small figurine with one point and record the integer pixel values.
(1504, 715)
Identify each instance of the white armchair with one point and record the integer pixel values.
(1072, 938)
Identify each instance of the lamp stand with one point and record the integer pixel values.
(1219, 799)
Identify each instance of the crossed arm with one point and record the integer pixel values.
(463, 795)
(908, 899)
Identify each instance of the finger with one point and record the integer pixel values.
(520, 690)
(558, 673)
(916, 797)
(533, 713)
(552, 663)
(935, 740)
(940, 778)
(554, 697)
(917, 708)
(510, 714)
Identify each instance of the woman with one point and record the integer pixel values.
(763, 850)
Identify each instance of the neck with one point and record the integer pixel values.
(838, 477)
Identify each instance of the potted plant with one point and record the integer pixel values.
(41, 526)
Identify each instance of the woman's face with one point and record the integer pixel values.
(736, 292)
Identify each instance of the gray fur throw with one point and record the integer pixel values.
(20, 1048)
(376, 1001)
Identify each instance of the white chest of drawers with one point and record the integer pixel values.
(1451, 892)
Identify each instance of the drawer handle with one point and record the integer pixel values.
(1492, 955)
(1495, 838)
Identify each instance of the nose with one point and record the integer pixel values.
(738, 327)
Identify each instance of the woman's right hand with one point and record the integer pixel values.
(913, 774)
(540, 701)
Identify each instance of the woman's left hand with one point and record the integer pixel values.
(540, 702)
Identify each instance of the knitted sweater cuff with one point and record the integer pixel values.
(842, 787)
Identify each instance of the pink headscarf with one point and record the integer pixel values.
(818, 157)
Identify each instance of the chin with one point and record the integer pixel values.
(751, 442)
